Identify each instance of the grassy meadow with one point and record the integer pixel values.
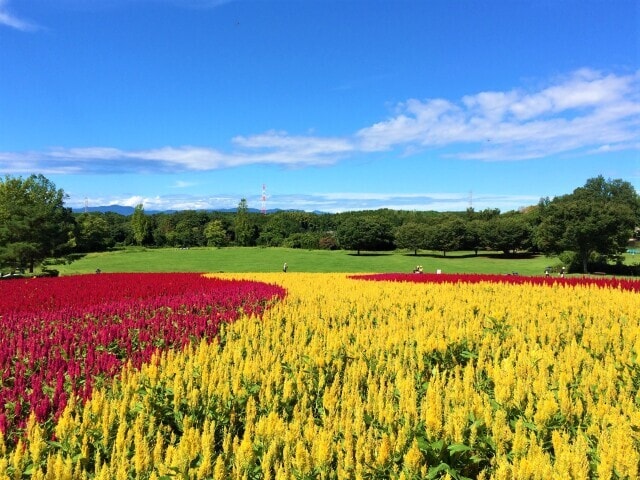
(264, 260)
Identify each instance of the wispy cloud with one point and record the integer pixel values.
(273, 148)
(586, 112)
(9, 20)
(581, 112)
(183, 184)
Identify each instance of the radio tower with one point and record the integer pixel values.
(86, 204)
(264, 199)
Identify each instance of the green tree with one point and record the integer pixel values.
(279, 226)
(93, 233)
(189, 228)
(244, 228)
(307, 240)
(275, 230)
(364, 233)
(474, 234)
(34, 222)
(447, 235)
(164, 230)
(119, 227)
(215, 233)
(411, 236)
(598, 218)
(508, 232)
(140, 225)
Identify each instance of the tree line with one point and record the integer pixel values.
(589, 227)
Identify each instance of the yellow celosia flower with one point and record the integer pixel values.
(301, 460)
(413, 460)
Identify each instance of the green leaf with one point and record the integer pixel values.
(458, 448)
(434, 471)
(437, 446)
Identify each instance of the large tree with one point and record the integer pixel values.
(93, 233)
(364, 233)
(34, 222)
(189, 228)
(508, 232)
(244, 227)
(447, 235)
(411, 236)
(215, 233)
(140, 225)
(598, 218)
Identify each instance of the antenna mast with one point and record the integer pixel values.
(264, 199)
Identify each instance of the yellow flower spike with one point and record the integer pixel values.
(384, 451)
(206, 448)
(432, 408)
(401, 442)
(3, 468)
(283, 473)
(413, 459)
(501, 432)
(520, 439)
(142, 456)
(104, 473)
(269, 462)
(157, 453)
(572, 459)
(321, 449)
(310, 430)
(301, 461)
(122, 471)
(35, 439)
(84, 450)
(119, 445)
(547, 407)
(16, 459)
(616, 451)
(219, 470)
(244, 455)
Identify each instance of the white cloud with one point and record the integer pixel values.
(284, 149)
(268, 148)
(615, 148)
(580, 112)
(583, 89)
(584, 112)
(183, 184)
(10, 20)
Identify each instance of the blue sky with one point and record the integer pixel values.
(331, 105)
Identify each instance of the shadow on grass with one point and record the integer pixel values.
(491, 255)
(67, 259)
(370, 254)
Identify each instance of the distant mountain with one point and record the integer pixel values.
(122, 210)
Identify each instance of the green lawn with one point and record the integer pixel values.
(256, 259)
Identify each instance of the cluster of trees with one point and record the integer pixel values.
(593, 223)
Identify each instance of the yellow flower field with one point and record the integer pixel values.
(353, 379)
